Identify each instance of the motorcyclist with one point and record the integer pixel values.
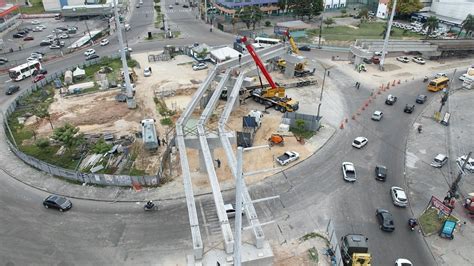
(425, 79)
(412, 223)
(149, 205)
(420, 128)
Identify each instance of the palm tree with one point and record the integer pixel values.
(467, 25)
(430, 25)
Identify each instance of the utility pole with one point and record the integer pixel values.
(320, 32)
(455, 185)
(238, 207)
(130, 98)
(387, 35)
(445, 98)
(322, 88)
(88, 31)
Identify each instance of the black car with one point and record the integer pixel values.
(62, 28)
(18, 35)
(305, 48)
(185, 6)
(42, 71)
(92, 56)
(385, 220)
(12, 89)
(57, 202)
(409, 109)
(45, 43)
(3, 60)
(421, 99)
(380, 172)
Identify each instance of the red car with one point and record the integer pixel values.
(29, 38)
(38, 78)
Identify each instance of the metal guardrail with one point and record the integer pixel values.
(98, 179)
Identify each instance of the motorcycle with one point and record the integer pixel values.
(150, 207)
(420, 129)
(412, 223)
(425, 79)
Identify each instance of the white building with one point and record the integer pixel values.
(382, 9)
(334, 4)
(56, 5)
(455, 9)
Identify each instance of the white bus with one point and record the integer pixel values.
(25, 70)
(261, 42)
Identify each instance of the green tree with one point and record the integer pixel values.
(306, 8)
(257, 16)
(406, 7)
(364, 13)
(430, 25)
(245, 15)
(317, 7)
(282, 5)
(467, 25)
(68, 136)
(101, 146)
(329, 21)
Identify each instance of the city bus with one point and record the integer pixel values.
(25, 70)
(265, 42)
(438, 84)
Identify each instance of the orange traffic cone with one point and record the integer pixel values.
(393, 83)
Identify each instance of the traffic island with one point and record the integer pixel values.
(432, 220)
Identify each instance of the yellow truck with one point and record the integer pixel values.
(355, 250)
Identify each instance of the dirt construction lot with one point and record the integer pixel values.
(98, 112)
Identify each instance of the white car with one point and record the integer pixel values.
(359, 142)
(54, 46)
(36, 55)
(104, 42)
(37, 29)
(418, 60)
(127, 49)
(403, 262)
(441, 74)
(230, 211)
(469, 165)
(42, 27)
(146, 72)
(349, 172)
(399, 196)
(439, 160)
(377, 116)
(463, 77)
(89, 52)
(199, 66)
(63, 36)
(35, 22)
(403, 59)
(379, 53)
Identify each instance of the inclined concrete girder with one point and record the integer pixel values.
(206, 152)
(248, 206)
(188, 187)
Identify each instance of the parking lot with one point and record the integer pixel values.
(22, 48)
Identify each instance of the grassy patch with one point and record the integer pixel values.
(48, 154)
(137, 172)
(430, 223)
(36, 8)
(366, 30)
(302, 133)
(312, 235)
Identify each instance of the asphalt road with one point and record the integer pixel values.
(311, 193)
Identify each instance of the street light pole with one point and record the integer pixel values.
(387, 35)
(322, 89)
(455, 185)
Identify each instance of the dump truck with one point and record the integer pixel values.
(355, 250)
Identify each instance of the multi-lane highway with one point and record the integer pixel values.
(311, 193)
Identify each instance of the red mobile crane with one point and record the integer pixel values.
(273, 96)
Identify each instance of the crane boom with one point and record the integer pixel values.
(294, 48)
(258, 61)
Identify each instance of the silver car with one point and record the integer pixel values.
(399, 196)
(439, 160)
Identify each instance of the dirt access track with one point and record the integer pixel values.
(174, 82)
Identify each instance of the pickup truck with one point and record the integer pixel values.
(287, 157)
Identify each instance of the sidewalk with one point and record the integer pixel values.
(424, 181)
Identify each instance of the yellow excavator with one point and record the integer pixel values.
(300, 70)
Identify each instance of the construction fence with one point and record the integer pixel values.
(311, 122)
(77, 176)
